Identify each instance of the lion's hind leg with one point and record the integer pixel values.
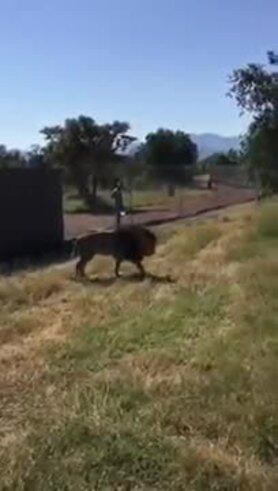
(141, 269)
(80, 267)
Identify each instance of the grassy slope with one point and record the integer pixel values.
(149, 385)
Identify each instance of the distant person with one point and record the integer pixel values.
(117, 195)
(209, 182)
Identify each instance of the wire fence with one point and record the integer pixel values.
(172, 192)
(154, 198)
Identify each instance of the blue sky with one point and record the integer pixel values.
(151, 62)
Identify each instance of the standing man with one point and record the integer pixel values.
(210, 181)
(117, 195)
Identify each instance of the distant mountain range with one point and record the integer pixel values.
(209, 143)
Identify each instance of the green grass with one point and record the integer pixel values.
(268, 220)
(72, 203)
(198, 236)
(260, 234)
(148, 385)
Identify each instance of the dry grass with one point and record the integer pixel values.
(147, 385)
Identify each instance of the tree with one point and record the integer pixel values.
(234, 157)
(3, 156)
(87, 151)
(11, 158)
(231, 158)
(169, 154)
(261, 153)
(256, 91)
(35, 156)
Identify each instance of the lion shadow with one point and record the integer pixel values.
(133, 278)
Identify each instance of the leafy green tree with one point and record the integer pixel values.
(256, 91)
(11, 158)
(35, 156)
(3, 155)
(234, 157)
(87, 151)
(231, 158)
(261, 152)
(169, 155)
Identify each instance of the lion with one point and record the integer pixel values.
(131, 244)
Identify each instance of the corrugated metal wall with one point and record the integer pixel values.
(31, 215)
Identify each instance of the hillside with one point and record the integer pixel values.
(209, 143)
(147, 385)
